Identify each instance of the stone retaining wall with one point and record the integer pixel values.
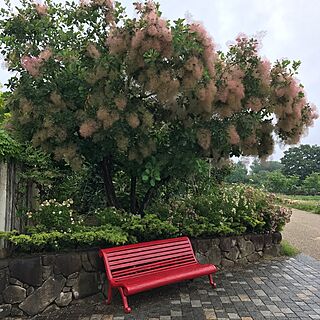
(35, 284)
(234, 251)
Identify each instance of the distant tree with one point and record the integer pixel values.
(278, 182)
(311, 184)
(265, 166)
(301, 161)
(239, 173)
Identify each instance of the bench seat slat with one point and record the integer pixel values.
(151, 271)
(113, 250)
(135, 285)
(136, 250)
(164, 254)
(148, 250)
(149, 260)
(149, 268)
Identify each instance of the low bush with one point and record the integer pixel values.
(225, 210)
(148, 227)
(55, 216)
(220, 211)
(84, 237)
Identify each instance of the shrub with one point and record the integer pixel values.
(148, 227)
(55, 216)
(84, 237)
(224, 210)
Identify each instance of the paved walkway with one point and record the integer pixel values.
(278, 289)
(303, 232)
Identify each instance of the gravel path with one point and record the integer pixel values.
(303, 232)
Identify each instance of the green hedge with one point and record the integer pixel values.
(223, 211)
(85, 237)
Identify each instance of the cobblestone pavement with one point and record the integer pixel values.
(276, 289)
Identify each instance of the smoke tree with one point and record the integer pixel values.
(143, 95)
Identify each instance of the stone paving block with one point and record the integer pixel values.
(107, 317)
(176, 313)
(276, 298)
(278, 314)
(260, 293)
(266, 313)
(196, 303)
(244, 297)
(96, 317)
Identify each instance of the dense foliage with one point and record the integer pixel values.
(144, 96)
(220, 211)
(238, 173)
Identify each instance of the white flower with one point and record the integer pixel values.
(29, 214)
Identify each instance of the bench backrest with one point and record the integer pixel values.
(147, 257)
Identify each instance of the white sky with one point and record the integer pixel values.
(292, 31)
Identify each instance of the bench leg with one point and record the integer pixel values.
(211, 281)
(126, 307)
(109, 294)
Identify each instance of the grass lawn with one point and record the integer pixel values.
(306, 203)
(288, 249)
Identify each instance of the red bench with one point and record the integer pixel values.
(143, 266)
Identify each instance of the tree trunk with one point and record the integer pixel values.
(150, 194)
(108, 183)
(133, 196)
(146, 200)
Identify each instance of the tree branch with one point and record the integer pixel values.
(106, 165)
(133, 196)
(150, 194)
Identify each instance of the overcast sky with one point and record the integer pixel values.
(292, 31)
